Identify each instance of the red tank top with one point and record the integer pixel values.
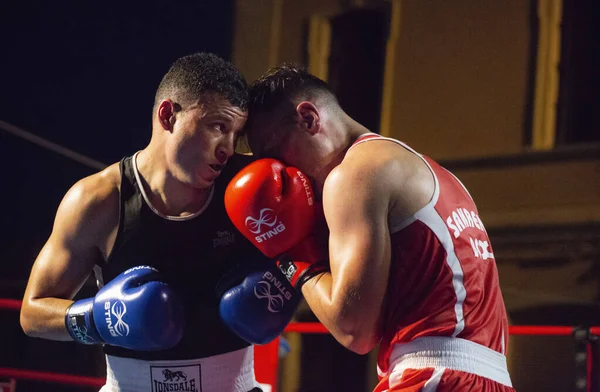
(443, 278)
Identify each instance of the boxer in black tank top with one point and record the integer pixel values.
(193, 254)
(163, 207)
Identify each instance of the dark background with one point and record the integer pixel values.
(82, 75)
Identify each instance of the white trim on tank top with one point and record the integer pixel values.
(397, 226)
(429, 215)
(149, 204)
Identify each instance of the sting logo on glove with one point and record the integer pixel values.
(274, 301)
(307, 187)
(118, 309)
(268, 218)
(263, 290)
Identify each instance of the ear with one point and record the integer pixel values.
(309, 117)
(166, 114)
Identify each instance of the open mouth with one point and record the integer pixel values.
(217, 167)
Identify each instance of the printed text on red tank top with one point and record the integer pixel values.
(461, 219)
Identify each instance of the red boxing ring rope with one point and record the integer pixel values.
(268, 351)
(35, 375)
(306, 328)
(10, 304)
(527, 330)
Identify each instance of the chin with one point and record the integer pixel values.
(203, 183)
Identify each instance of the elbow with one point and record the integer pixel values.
(358, 338)
(27, 321)
(26, 324)
(355, 330)
(359, 344)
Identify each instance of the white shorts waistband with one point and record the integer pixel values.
(229, 372)
(450, 353)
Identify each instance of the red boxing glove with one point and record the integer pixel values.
(272, 205)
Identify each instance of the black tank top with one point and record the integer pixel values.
(194, 255)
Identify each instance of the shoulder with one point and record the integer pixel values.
(95, 197)
(363, 167)
(356, 188)
(88, 212)
(393, 170)
(98, 188)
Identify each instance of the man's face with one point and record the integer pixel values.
(203, 139)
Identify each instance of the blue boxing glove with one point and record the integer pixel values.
(259, 308)
(136, 310)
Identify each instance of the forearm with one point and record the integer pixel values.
(45, 318)
(336, 314)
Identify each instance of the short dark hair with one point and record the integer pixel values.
(196, 74)
(282, 83)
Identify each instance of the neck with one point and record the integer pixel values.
(166, 193)
(349, 131)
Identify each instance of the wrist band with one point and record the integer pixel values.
(79, 321)
(312, 271)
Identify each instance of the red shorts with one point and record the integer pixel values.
(444, 364)
(442, 380)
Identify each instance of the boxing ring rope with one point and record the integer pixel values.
(48, 145)
(10, 304)
(266, 367)
(35, 375)
(525, 330)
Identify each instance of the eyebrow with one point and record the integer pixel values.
(220, 116)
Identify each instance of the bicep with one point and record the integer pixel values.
(359, 242)
(68, 257)
(58, 272)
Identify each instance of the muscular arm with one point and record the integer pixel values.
(348, 300)
(68, 257)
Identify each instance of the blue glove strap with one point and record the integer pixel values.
(80, 322)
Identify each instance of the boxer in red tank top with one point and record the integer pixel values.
(412, 267)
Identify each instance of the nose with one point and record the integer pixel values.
(226, 148)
